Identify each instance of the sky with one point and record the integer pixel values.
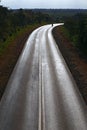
(54, 4)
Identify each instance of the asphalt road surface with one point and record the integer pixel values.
(41, 93)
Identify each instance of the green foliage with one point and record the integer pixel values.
(77, 28)
(19, 32)
(11, 20)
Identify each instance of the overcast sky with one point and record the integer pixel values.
(45, 4)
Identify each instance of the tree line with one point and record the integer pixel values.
(13, 20)
(77, 28)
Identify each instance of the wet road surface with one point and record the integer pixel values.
(41, 93)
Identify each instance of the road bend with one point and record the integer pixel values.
(41, 93)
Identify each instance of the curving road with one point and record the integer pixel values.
(41, 93)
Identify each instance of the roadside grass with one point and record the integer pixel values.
(72, 38)
(65, 32)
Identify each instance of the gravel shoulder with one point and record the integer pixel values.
(74, 59)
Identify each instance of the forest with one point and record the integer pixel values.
(77, 31)
(13, 20)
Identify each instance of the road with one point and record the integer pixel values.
(41, 93)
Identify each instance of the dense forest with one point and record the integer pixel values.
(77, 30)
(12, 20)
